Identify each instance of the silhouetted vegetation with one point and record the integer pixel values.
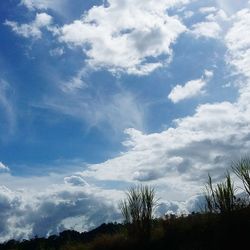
(137, 210)
(224, 224)
(242, 169)
(221, 198)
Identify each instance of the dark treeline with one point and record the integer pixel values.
(195, 231)
(64, 240)
(222, 223)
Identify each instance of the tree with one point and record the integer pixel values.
(137, 210)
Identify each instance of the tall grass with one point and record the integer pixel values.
(137, 210)
(242, 169)
(220, 198)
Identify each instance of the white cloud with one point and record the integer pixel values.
(206, 29)
(63, 8)
(205, 10)
(29, 209)
(42, 4)
(193, 204)
(56, 52)
(178, 159)
(190, 89)
(188, 14)
(3, 167)
(25, 213)
(214, 25)
(231, 7)
(219, 16)
(75, 180)
(238, 42)
(142, 31)
(76, 83)
(39, 4)
(33, 29)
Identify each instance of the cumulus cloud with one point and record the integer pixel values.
(218, 16)
(239, 45)
(187, 14)
(190, 89)
(206, 29)
(24, 214)
(239, 53)
(193, 204)
(213, 25)
(33, 29)
(10, 208)
(179, 158)
(141, 32)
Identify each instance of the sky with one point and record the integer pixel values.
(97, 96)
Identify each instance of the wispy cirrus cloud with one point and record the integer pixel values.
(7, 107)
(117, 111)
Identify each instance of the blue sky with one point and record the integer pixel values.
(96, 96)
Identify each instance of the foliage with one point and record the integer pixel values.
(137, 210)
(220, 198)
(242, 169)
